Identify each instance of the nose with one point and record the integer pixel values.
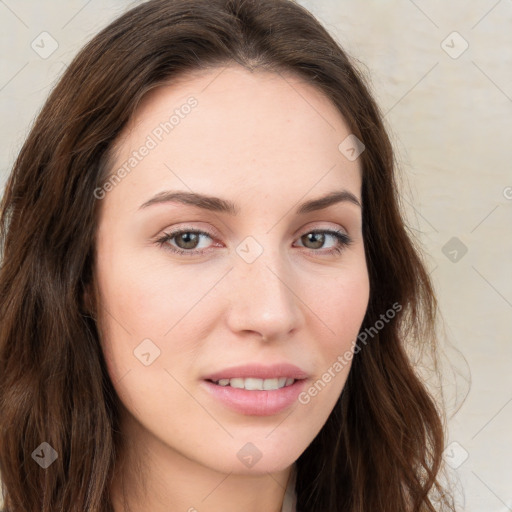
(262, 297)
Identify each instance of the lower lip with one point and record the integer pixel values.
(257, 402)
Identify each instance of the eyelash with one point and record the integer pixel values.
(343, 241)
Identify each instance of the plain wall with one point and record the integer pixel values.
(449, 111)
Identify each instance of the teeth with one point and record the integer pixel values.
(256, 384)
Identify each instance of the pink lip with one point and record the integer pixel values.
(256, 403)
(257, 371)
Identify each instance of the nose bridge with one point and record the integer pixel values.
(262, 296)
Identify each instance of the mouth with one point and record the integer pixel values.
(255, 389)
(255, 402)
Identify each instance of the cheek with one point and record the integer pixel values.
(340, 306)
(143, 312)
(150, 308)
(341, 303)
(150, 298)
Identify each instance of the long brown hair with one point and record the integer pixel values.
(380, 449)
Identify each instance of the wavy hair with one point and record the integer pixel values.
(381, 447)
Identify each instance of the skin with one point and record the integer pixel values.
(267, 142)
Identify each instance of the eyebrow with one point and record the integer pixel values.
(216, 204)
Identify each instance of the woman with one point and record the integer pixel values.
(207, 287)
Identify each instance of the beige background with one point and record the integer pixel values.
(450, 115)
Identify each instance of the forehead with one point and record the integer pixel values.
(254, 131)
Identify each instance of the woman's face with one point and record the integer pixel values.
(253, 294)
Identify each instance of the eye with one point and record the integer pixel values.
(187, 241)
(318, 236)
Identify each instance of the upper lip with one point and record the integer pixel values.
(258, 371)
